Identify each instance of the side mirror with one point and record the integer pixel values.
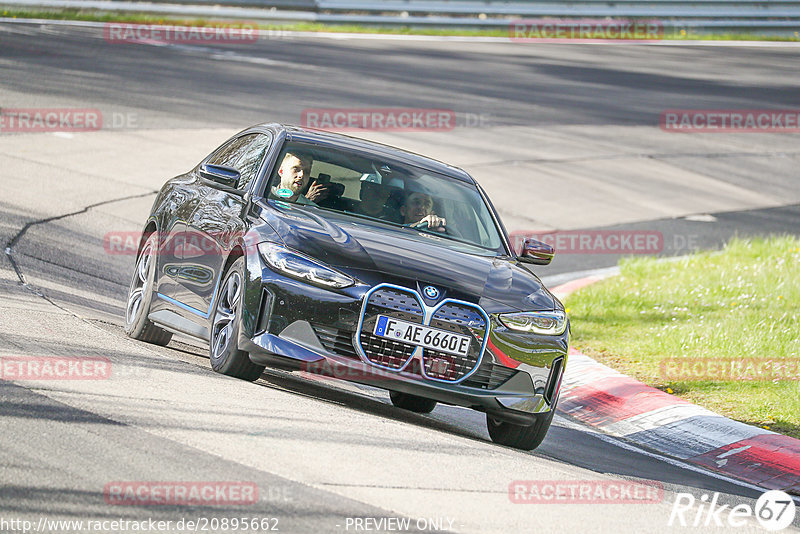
(220, 174)
(536, 252)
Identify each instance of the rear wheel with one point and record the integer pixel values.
(140, 295)
(412, 402)
(226, 358)
(526, 438)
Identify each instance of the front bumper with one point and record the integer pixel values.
(292, 325)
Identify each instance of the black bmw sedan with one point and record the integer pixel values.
(306, 250)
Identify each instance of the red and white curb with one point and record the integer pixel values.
(621, 406)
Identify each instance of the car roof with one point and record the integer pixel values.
(331, 139)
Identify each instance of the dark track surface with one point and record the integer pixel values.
(275, 79)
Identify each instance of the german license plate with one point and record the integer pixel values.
(424, 336)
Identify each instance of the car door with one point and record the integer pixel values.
(216, 222)
(175, 285)
(178, 208)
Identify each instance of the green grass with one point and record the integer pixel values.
(144, 18)
(740, 303)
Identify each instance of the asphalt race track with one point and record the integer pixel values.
(563, 137)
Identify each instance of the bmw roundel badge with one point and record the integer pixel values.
(431, 292)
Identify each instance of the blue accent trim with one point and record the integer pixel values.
(483, 346)
(427, 314)
(182, 305)
(204, 315)
(357, 335)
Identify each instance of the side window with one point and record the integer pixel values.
(244, 154)
(251, 158)
(229, 153)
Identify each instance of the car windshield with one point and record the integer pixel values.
(367, 186)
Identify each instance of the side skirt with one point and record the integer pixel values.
(169, 320)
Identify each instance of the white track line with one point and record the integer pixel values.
(620, 442)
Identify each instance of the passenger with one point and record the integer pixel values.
(374, 195)
(295, 171)
(417, 210)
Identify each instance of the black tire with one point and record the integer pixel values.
(526, 438)
(140, 295)
(226, 358)
(412, 403)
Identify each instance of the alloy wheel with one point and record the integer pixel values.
(139, 283)
(225, 316)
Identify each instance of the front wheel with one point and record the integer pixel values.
(526, 438)
(226, 358)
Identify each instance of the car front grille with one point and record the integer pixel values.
(385, 352)
(404, 304)
(396, 303)
(488, 376)
(465, 319)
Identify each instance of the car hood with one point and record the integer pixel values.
(364, 249)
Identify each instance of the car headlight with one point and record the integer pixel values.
(551, 323)
(300, 266)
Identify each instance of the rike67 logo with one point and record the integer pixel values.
(775, 510)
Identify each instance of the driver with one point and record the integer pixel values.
(295, 171)
(417, 209)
